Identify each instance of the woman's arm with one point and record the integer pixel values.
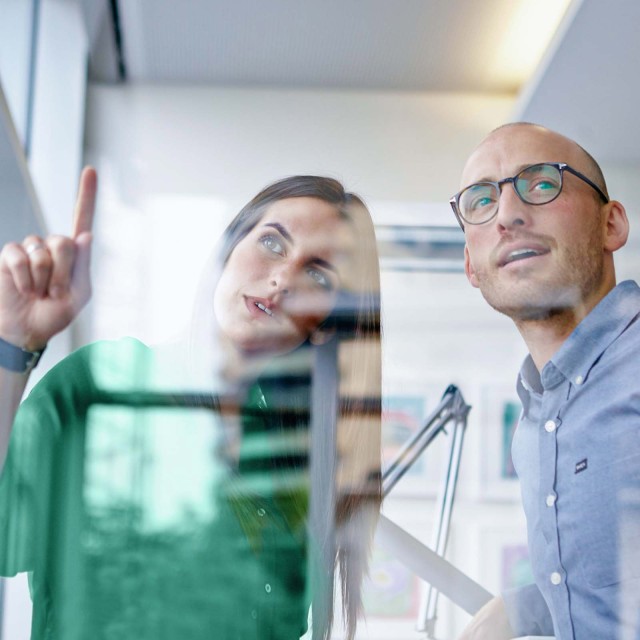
(11, 389)
(43, 286)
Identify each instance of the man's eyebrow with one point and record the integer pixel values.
(321, 262)
(516, 171)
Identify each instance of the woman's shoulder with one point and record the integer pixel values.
(102, 364)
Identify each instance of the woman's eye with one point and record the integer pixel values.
(272, 244)
(320, 278)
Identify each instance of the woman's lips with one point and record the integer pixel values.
(260, 307)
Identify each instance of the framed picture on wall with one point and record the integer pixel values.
(393, 595)
(391, 601)
(402, 417)
(500, 411)
(504, 561)
(391, 591)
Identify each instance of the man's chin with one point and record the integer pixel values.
(530, 306)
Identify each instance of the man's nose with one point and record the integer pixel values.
(512, 211)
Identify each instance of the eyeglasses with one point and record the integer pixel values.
(537, 184)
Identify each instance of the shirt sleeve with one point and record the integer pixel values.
(25, 481)
(527, 611)
(23, 489)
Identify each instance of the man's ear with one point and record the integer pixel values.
(616, 228)
(469, 270)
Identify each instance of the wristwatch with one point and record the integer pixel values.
(16, 359)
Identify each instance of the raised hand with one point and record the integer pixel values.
(44, 283)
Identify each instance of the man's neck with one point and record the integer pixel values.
(545, 335)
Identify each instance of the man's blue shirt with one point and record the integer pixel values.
(577, 454)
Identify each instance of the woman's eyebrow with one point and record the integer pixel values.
(321, 262)
(281, 230)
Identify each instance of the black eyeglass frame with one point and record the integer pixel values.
(454, 201)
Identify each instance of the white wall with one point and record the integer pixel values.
(390, 146)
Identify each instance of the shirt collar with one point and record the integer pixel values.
(580, 351)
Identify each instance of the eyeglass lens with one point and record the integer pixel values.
(538, 184)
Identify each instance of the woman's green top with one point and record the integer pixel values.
(141, 514)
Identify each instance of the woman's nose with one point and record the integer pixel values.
(282, 280)
(276, 283)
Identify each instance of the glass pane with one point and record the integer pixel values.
(16, 30)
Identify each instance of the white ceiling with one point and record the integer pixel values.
(416, 45)
(587, 84)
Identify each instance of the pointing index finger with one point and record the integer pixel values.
(86, 202)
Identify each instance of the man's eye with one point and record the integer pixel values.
(272, 244)
(476, 198)
(543, 185)
(320, 278)
(480, 202)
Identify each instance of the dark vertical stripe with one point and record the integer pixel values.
(31, 86)
(117, 34)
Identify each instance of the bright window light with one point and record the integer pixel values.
(521, 45)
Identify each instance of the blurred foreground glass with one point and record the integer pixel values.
(178, 514)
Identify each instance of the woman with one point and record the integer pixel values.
(110, 555)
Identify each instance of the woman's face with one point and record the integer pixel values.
(281, 280)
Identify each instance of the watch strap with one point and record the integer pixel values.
(17, 359)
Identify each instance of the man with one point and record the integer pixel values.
(540, 236)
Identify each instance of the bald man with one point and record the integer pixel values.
(540, 234)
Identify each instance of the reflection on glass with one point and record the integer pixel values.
(166, 492)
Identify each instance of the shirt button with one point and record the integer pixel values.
(267, 588)
(549, 426)
(551, 500)
(579, 380)
(555, 578)
(254, 614)
(261, 512)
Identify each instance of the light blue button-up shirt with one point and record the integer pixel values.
(577, 453)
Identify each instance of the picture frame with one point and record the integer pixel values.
(499, 415)
(403, 415)
(392, 595)
(504, 562)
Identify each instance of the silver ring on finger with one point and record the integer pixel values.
(36, 246)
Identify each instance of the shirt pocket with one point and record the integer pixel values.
(607, 530)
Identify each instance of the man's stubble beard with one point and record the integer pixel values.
(580, 273)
